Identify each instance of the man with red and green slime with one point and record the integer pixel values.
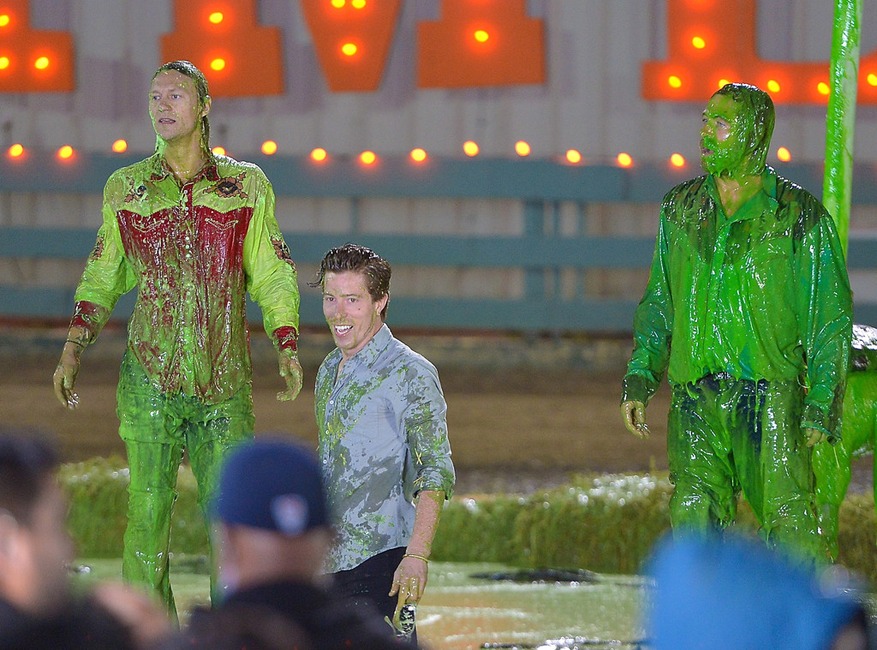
(193, 232)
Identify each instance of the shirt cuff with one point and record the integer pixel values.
(436, 481)
(286, 338)
(90, 317)
(814, 418)
(636, 388)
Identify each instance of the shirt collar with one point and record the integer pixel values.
(759, 203)
(374, 347)
(159, 169)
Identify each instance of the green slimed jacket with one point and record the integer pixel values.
(763, 294)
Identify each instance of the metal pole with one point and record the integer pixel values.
(840, 124)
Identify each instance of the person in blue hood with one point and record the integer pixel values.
(731, 592)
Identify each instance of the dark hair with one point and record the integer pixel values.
(759, 115)
(190, 70)
(353, 257)
(27, 461)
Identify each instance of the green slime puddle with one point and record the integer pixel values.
(460, 612)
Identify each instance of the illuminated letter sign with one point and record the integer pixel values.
(221, 37)
(483, 43)
(712, 42)
(352, 39)
(32, 60)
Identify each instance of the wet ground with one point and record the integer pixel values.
(510, 427)
(462, 611)
(522, 414)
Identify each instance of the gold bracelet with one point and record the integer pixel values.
(419, 557)
(74, 342)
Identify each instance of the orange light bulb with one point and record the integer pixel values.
(522, 148)
(624, 159)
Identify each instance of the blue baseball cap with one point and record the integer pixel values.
(273, 485)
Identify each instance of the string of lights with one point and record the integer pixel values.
(417, 155)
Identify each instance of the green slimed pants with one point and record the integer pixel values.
(157, 428)
(727, 434)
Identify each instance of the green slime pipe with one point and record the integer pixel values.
(840, 118)
(831, 465)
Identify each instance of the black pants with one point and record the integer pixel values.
(371, 581)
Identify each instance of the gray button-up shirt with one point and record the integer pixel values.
(383, 438)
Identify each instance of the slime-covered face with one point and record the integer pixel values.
(354, 317)
(174, 107)
(723, 137)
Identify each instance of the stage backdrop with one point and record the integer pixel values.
(597, 77)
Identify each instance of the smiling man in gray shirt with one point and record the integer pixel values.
(383, 442)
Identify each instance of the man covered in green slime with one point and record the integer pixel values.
(193, 232)
(748, 309)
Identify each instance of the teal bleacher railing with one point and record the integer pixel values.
(540, 185)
